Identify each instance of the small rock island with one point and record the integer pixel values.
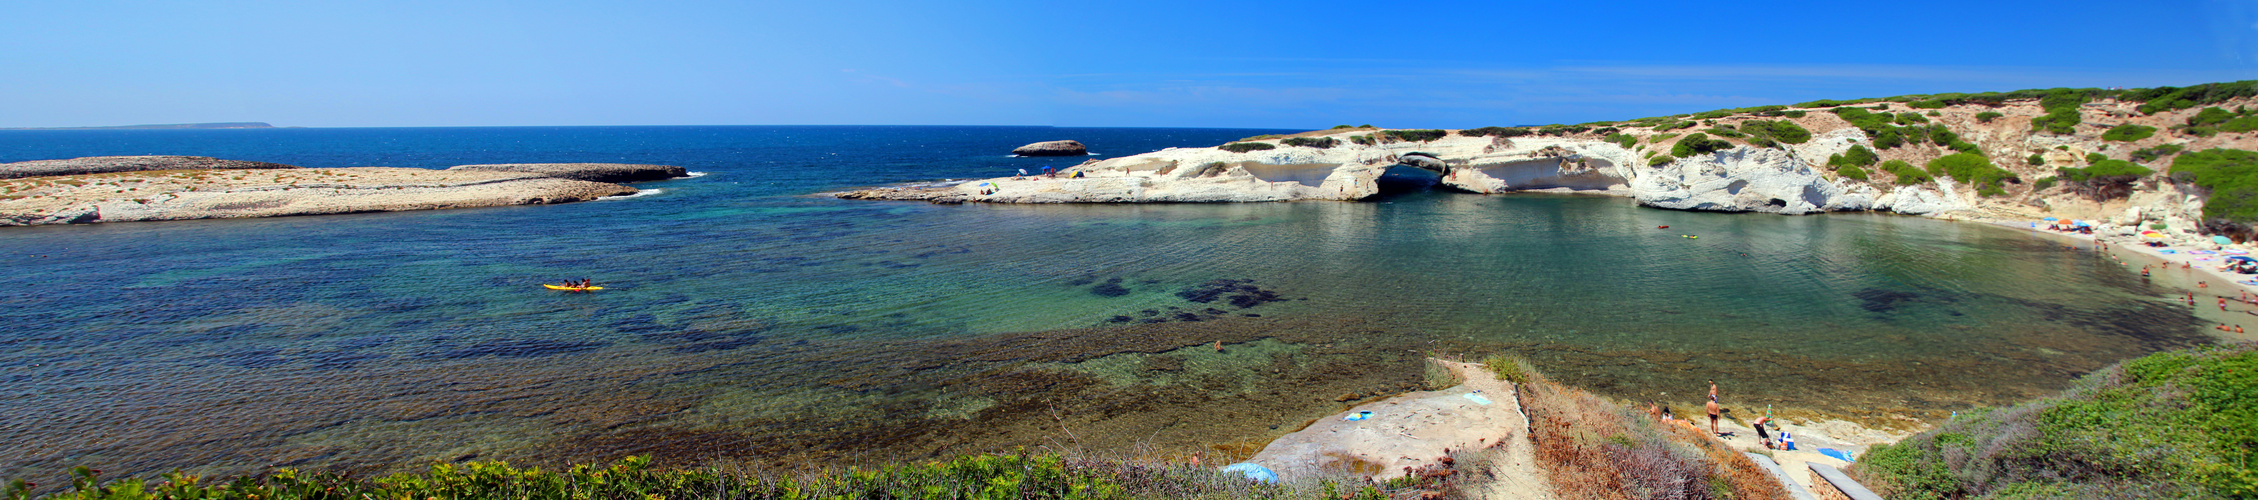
(154, 188)
(1053, 148)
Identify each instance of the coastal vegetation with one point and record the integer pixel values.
(2176, 424)
(2147, 155)
(2128, 133)
(2211, 121)
(1312, 142)
(1852, 163)
(1697, 143)
(1494, 132)
(2232, 177)
(1592, 447)
(994, 476)
(1242, 147)
(1988, 116)
(1906, 173)
(1415, 135)
(1974, 170)
(2106, 178)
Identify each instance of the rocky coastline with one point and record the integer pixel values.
(143, 188)
(1726, 161)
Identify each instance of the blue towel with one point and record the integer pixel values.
(1253, 472)
(1838, 454)
(1477, 398)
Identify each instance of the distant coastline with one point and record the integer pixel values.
(221, 125)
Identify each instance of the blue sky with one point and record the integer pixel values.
(1151, 63)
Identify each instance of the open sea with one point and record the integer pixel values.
(750, 319)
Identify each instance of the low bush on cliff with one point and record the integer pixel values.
(972, 477)
(1973, 170)
(1856, 156)
(2035, 159)
(1988, 116)
(2232, 177)
(1851, 172)
(1365, 139)
(1697, 143)
(2128, 133)
(2106, 178)
(2212, 121)
(2162, 99)
(1415, 135)
(1906, 173)
(1242, 147)
(2061, 107)
(2147, 155)
(2177, 424)
(1660, 160)
(1780, 130)
(1312, 142)
(1624, 140)
(1494, 132)
(1911, 118)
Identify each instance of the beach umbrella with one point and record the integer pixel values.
(2085, 223)
(2221, 240)
(2239, 258)
(2152, 235)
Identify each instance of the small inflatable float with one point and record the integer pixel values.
(571, 288)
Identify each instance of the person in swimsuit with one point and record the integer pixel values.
(1713, 415)
(1763, 437)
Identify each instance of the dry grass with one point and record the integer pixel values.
(1592, 448)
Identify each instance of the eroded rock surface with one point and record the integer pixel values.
(108, 164)
(214, 194)
(592, 172)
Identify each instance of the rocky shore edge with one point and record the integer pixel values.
(156, 188)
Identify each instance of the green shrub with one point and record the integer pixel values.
(2232, 177)
(1779, 130)
(2161, 99)
(1416, 135)
(1911, 118)
(2210, 116)
(1338, 127)
(1312, 142)
(2175, 424)
(2035, 159)
(2092, 158)
(1365, 139)
(2044, 183)
(1892, 137)
(1973, 170)
(1494, 132)
(1725, 131)
(2061, 112)
(2128, 133)
(1697, 143)
(1856, 156)
(1625, 140)
(1906, 173)
(2106, 178)
(1793, 113)
(1988, 116)
(1660, 160)
(1263, 137)
(1673, 125)
(1851, 172)
(1242, 147)
(1929, 104)
(1712, 115)
(1942, 135)
(2151, 154)
(1560, 130)
(1658, 138)
(1965, 147)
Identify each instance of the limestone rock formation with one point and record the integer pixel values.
(181, 195)
(592, 172)
(108, 164)
(1052, 148)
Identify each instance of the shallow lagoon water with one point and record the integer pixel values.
(747, 319)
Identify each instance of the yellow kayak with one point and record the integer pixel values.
(572, 288)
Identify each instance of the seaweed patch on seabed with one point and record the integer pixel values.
(1238, 293)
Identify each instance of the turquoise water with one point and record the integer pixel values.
(748, 319)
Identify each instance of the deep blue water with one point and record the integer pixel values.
(749, 318)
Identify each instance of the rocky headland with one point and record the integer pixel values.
(129, 189)
(2087, 154)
